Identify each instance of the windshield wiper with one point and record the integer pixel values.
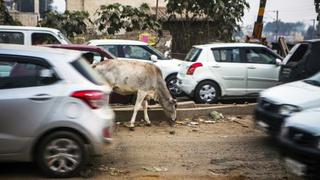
(312, 82)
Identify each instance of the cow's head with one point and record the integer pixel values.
(170, 108)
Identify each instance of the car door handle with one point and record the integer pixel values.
(41, 97)
(216, 66)
(251, 67)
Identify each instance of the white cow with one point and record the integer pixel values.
(144, 79)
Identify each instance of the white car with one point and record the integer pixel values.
(300, 147)
(29, 35)
(277, 103)
(228, 69)
(141, 51)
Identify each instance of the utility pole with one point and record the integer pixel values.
(277, 27)
(157, 7)
(314, 28)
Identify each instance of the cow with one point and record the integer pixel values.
(143, 79)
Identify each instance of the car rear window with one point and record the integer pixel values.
(88, 72)
(193, 55)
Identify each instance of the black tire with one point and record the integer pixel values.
(207, 92)
(171, 82)
(61, 139)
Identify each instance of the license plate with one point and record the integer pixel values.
(295, 167)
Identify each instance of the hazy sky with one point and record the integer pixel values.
(289, 10)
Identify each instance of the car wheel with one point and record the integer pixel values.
(171, 82)
(61, 154)
(207, 92)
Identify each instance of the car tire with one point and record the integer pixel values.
(61, 154)
(207, 92)
(171, 82)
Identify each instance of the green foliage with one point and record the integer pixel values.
(70, 23)
(224, 14)
(114, 17)
(5, 17)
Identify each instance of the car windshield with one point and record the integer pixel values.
(63, 37)
(157, 52)
(193, 55)
(314, 80)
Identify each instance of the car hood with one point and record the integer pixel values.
(306, 120)
(297, 93)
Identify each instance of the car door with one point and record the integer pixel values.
(229, 69)
(263, 72)
(27, 96)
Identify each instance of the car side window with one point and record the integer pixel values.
(43, 38)
(227, 55)
(136, 52)
(113, 49)
(15, 74)
(11, 38)
(260, 56)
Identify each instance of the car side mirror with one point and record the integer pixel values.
(278, 62)
(153, 58)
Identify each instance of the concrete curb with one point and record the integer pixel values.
(157, 114)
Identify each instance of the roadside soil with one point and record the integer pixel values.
(228, 149)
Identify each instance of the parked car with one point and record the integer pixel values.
(301, 62)
(95, 54)
(300, 143)
(137, 50)
(28, 35)
(277, 103)
(216, 70)
(54, 109)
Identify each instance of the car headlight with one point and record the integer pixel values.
(287, 110)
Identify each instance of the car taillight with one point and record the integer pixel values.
(95, 99)
(106, 132)
(193, 67)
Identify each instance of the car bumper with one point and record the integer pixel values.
(268, 121)
(187, 84)
(307, 157)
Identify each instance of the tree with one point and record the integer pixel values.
(310, 33)
(70, 23)
(114, 17)
(5, 17)
(284, 28)
(223, 14)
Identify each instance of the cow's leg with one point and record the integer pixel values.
(145, 110)
(140, 97)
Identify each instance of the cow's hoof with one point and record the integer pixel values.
(131, 128)
(149, 125)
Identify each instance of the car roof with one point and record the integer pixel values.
(116, 42)
(221, 45)
(40, 52)
(27, 28)
(82, 47)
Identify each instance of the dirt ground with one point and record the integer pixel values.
(228, 149)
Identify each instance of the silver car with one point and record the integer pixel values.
(53, 108)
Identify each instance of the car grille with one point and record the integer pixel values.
(301, 137)
(268, 106)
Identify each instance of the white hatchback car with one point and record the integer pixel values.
(141, 51)
(54, 109)
(228, 69)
